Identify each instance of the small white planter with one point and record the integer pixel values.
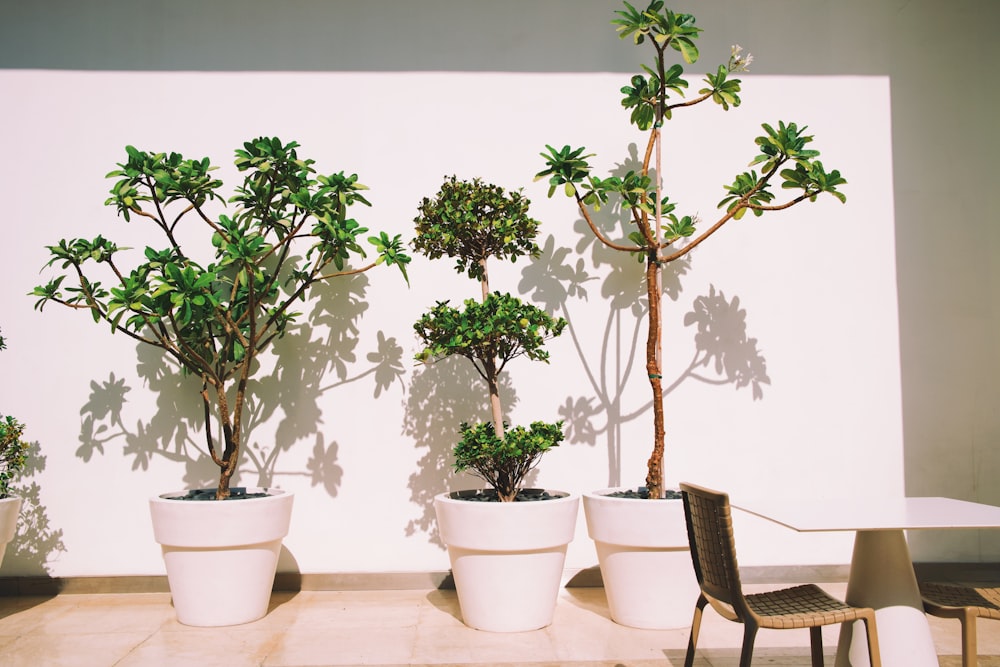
(221, 556)
(10, 510)
(642, 547)
(507, 558)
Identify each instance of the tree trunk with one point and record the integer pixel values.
(496, 409)
(490, 366)
(484, 283)
(654, 476)
(229, 459)
(222, 491)
(654, 344)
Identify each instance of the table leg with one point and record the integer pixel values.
(882, 577)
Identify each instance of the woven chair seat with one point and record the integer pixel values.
(985, 600)
(965, 603)
(800, 607)
(713, 553)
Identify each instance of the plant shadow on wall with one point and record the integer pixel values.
(723, 354)
(438, 400)
(308, 365)
(32, 543)
(35, 543)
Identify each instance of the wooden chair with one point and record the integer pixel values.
(966, 603)
(713, 550)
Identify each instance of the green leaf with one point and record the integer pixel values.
(473, 221)
(504, 462)
(687, 48)
(499, 322)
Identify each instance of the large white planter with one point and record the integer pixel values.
(10, 510)
(642, 547)
(507, 558)
(221, 556)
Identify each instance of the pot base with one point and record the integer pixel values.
(645, 560)
(507, 558)
(10, 510)
(221, 556)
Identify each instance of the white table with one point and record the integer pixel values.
(881, 574)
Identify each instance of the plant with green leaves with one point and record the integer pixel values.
(654, 233)
(291, 230)
(471, 222)
(13, 453)
(13, 450)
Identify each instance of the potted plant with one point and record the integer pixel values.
(506, 552)
(290, 231)
(656, 235)
(13, 458)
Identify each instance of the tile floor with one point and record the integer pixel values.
(387, 628)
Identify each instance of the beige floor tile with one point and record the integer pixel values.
(17, 619)
(579, 634)
(141, 614)
(10, 605)
(343, 646)
(97, 649)
(346, 609)
(441, 608)
(463, 644)
(204, 647)
(591, 600)
(956, 660)
(233, 647)
(772, 657)
(389, 629)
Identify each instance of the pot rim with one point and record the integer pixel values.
(272, 492)
(565, 496)
(603, 494)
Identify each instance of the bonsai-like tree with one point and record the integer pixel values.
(472, 221)
(290, 231)
(654, 233)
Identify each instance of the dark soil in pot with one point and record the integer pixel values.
(642, 493)
(490, 495)
(235, 493)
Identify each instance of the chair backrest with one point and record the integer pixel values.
(713, 549)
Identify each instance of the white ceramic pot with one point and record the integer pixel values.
(507, 558)
(642, 547)
(10, 510)
(221, 556)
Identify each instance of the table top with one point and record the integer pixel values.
(809, 515)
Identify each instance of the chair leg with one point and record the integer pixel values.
(749, 635)
(970, 652)
(816, 645)
(874, 653)
(699, 607)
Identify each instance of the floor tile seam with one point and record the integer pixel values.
(272, 648)
(135, 646)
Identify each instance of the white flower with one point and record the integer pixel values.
(737, 62)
